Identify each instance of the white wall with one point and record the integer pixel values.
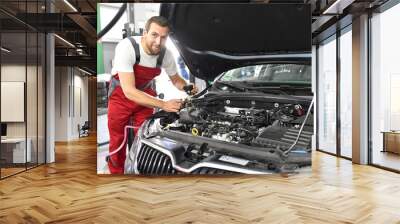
(61, 104)
(33, 127)
(107, 12)
(71, 94)
(14, 72)
(143, 11)
(80, 96)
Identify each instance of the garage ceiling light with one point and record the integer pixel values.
(70, 5)
(64, 40)
(338, 6)
(5, 50)
(86, 72)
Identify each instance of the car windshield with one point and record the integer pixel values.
(271, 73)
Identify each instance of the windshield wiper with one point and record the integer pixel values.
(232, 86)
(249, 88)
(279, 87)
(268, 89)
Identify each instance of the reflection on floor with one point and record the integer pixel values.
(386, 159)
(10, 171)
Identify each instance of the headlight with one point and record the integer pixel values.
(130, 165)
(150, 128)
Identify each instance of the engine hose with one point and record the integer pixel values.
(202, 92)
(123, 144)
(112, 22)
(301, 129)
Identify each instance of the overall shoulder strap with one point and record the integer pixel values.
(160, 57)
(136, 48)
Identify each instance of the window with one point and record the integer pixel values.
(346, 94)
(270, 73)
(385, 85)
(22, 75)
(327, 96)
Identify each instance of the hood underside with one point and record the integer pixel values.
(214, 38)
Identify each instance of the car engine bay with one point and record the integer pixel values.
(265, 124)
(247, 133)
(238, 125)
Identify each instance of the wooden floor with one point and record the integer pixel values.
(69, 191)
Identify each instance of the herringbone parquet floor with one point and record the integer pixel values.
(69, 191)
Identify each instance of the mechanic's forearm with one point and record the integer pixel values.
(143, 98)
(179, 84)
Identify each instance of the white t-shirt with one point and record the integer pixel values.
(125, 59)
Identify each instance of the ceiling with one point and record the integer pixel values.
(332, 15)
(75, 22)
(325, 13)
(72, 20)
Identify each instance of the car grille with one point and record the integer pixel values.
(153, 162)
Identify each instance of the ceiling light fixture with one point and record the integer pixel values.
(337, 7)
(70, 5)
(65, 41)
(86, 72)
(5, 49)
(80, 51)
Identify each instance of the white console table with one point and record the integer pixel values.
(16, 147)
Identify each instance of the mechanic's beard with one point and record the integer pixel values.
(155, 52)
(151, 51)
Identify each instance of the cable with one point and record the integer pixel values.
(301, 129)
(123, 144)
(112, 22)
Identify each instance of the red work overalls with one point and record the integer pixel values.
(121, 110)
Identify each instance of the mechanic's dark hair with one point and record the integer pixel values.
(159, 20)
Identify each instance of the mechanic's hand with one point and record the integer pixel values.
(194, 90)
(173, 105)
(190, 89)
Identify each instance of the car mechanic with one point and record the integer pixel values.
(131, 96)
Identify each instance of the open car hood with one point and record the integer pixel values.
(214, 38)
